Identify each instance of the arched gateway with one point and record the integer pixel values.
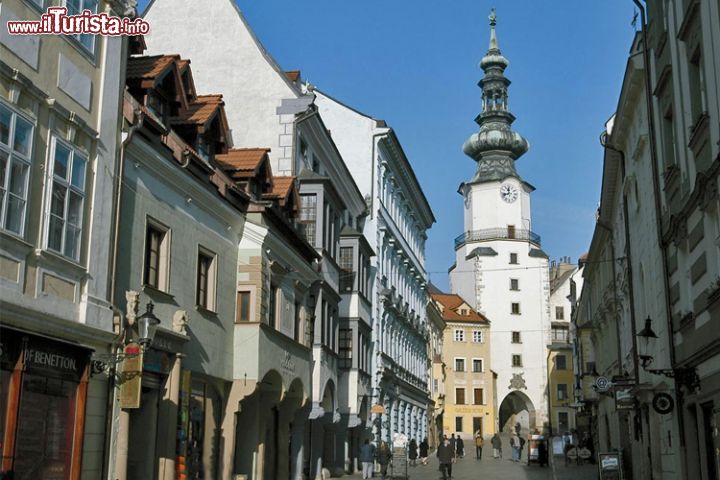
(515, 408)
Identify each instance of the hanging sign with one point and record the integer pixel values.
(663, 403)
(131, 376)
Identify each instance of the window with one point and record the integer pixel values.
(273, 306)
(559, 313)
(560, 335)
(477, 364)
(308, 217)
(157, 248)
(511, 231)
(297, 324)
(516, 337)
(459, 335)
(696, 84)
(347, 276)
(513, 259)
(67, 197)
(478, 396)
(76, 7)
(345, 360)
(515, 308)
(563, 422)
(477, 336)
(243, 307)
(562, 391)
(517, 361)
(205, 296)
(668, 138)
(16, 138)
(459, 364)
(435, 385)
(514, 284)
(459, 424)
(561, 362)
(459, 396)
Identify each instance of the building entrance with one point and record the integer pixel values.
(516, 408)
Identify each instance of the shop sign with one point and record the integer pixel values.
(43, 356)
(610, 466)
(131, 376)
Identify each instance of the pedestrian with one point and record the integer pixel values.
(515, 445)
(460, 444)
(497, 446)
(478, 445)
(367, 458)
(453, 445)
(543, 453)
(383, 458)
(445, 455)
(522, 448)
(413, 452)
(424, 447)
(517, 428)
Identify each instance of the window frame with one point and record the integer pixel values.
(565, 390)
(457, 399)
(513, 310)
(52, 178)
(564, 358)
(164, 246)
(455, 364)
(559, 309)
(482, 396)
(482, 365)
(513, 259)
(77, 38)
(479, 335)
(238, 312)
(461, 335)
(25, 160)
(518, 357)
(210, 301)
(345, 334)
(514, 284)
(311, 212)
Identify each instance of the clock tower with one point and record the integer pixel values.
(500, 267)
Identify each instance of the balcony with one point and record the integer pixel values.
(497, 234)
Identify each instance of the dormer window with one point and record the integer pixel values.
(201, 147)
(157, 105)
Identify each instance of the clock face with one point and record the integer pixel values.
(509, 193)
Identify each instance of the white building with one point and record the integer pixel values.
(396, 229)
(500, 267)
(270, 108)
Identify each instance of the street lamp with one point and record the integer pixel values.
(147, 325)
(685, 376)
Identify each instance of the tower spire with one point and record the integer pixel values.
(496, 146)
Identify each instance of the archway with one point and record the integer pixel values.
(516, 408)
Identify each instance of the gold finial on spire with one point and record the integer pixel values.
(493, 21)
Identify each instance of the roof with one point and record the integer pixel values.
(451, 303)
(200, 111)
(242, 159)
(293, 75)
(281, 186)
(149, 68)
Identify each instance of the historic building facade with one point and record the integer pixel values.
(273, 109)
(396, 229)
(500, 268)
(469, 383)
(59, 140)
(436, 371)
(565, 278)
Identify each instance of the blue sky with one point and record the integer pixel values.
(415, 65)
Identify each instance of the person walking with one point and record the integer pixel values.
(543, 453)
(522, 448)
(383, 458)
(515, 445)
(445, 455)
(413, 453)
(367, 458)
(453, 445)
(478, 445)
(460, 444)
(496, 445)
(424, 447)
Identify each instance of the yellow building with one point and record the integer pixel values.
(469, 389)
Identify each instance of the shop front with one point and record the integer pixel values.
(43, 393)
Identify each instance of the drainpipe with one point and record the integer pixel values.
(658, 221)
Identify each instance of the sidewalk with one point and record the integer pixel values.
(573, 471)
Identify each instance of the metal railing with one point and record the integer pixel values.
(496, 234)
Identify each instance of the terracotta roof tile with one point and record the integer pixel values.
(281, 187)
(200, 110)
(451, 303)
(242, 159)
(144, 68)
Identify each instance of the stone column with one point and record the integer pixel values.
(297, 447)
(167, 422)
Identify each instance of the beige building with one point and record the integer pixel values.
(59, 129)
(468, 387)
(436, 331)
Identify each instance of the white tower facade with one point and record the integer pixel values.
(500, 267)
